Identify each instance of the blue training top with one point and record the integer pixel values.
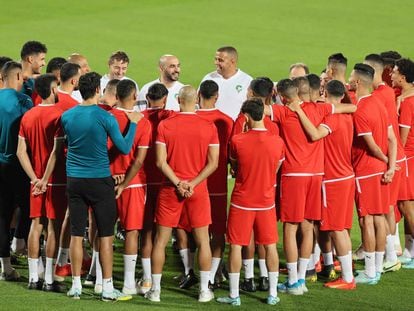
(13, 105)
(87, 129)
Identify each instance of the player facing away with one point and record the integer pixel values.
(373, 157)
(156, 97)
(89, 181)
(217, 182)
(14, 184)
(40, 139)
(170, 69)
(338, 184)
(130, 193)
(252, 207)
(403, 77)
(301, 173)
(233, 82)
(187, 153)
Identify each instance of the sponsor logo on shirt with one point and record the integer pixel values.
(239, 88)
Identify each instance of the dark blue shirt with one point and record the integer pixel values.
(13, 105)
(87, 129)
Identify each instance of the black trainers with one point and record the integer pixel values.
(55, 287)
(263, 284)
(35, 285)
(327, 273)
(188, 280)
(89, 280)
(248, 285)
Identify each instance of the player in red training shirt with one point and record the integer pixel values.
(338, 183)
(260, 88)
(385, 94)
(155, 113)
(216, 182)
(131, 192)
(39, 137)
(373, 158)
(403, 77)
(302, 173)
(187, 153)
(252, 207)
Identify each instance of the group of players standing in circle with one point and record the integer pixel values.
(303, 151)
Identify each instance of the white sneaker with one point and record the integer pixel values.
(206, 296)
(143, 286)
(129, 291)
(98, 289)
(153, 295)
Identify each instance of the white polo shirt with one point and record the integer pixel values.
(105, 79)
(172, 101)
(232, 91)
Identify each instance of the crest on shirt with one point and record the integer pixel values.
(239, 88)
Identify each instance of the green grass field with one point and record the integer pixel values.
(269, 35)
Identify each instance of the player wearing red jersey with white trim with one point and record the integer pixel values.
(131, 192)
(338, 184)
(373, 158)
(39, 139)
(403, 77)
(216, 182)
(301, 173)
(187, 153)
(155, 113)
(252, 206)
(385, 94)
(260, 88)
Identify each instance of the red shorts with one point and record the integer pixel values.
(131, 208)
(242, 222)
(52, 204)
(170, 207)
(337, 204)
(218, 214)
(403, 190)
(300, 198)
(151, 205)
(371, 196)
(410, 179)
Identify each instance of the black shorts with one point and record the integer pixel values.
(97, 193)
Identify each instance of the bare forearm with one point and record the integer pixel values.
(207, 171)
(26, 165)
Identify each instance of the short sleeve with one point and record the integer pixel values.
(233, 149)
(277, 113)
(160, 134)
(325, 109)
(405, 119)
(361, 124)
(22, 132)
(145, 138)
(214, 140)
(330, 123)
(59, 129)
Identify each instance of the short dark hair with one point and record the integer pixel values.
(229, 50)
(254, 107)
(302, 83)
(68, 71)
(337, 58)
(390, 57)
(406, 68)
(364, 70)
(111, 86)
(43, 83)
(9, 67)
(88, 84)
(120, 56)
(55, 63)
(125, 88)
(3, 60)
(314, 81)
(335, 88)
(286, 88)
(32, 48)
(375, 58)
(208, 89)
(157, 91)
(261, 87)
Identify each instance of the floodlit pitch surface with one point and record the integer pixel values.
(270, 35)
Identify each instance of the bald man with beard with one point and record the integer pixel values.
(169, 68)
